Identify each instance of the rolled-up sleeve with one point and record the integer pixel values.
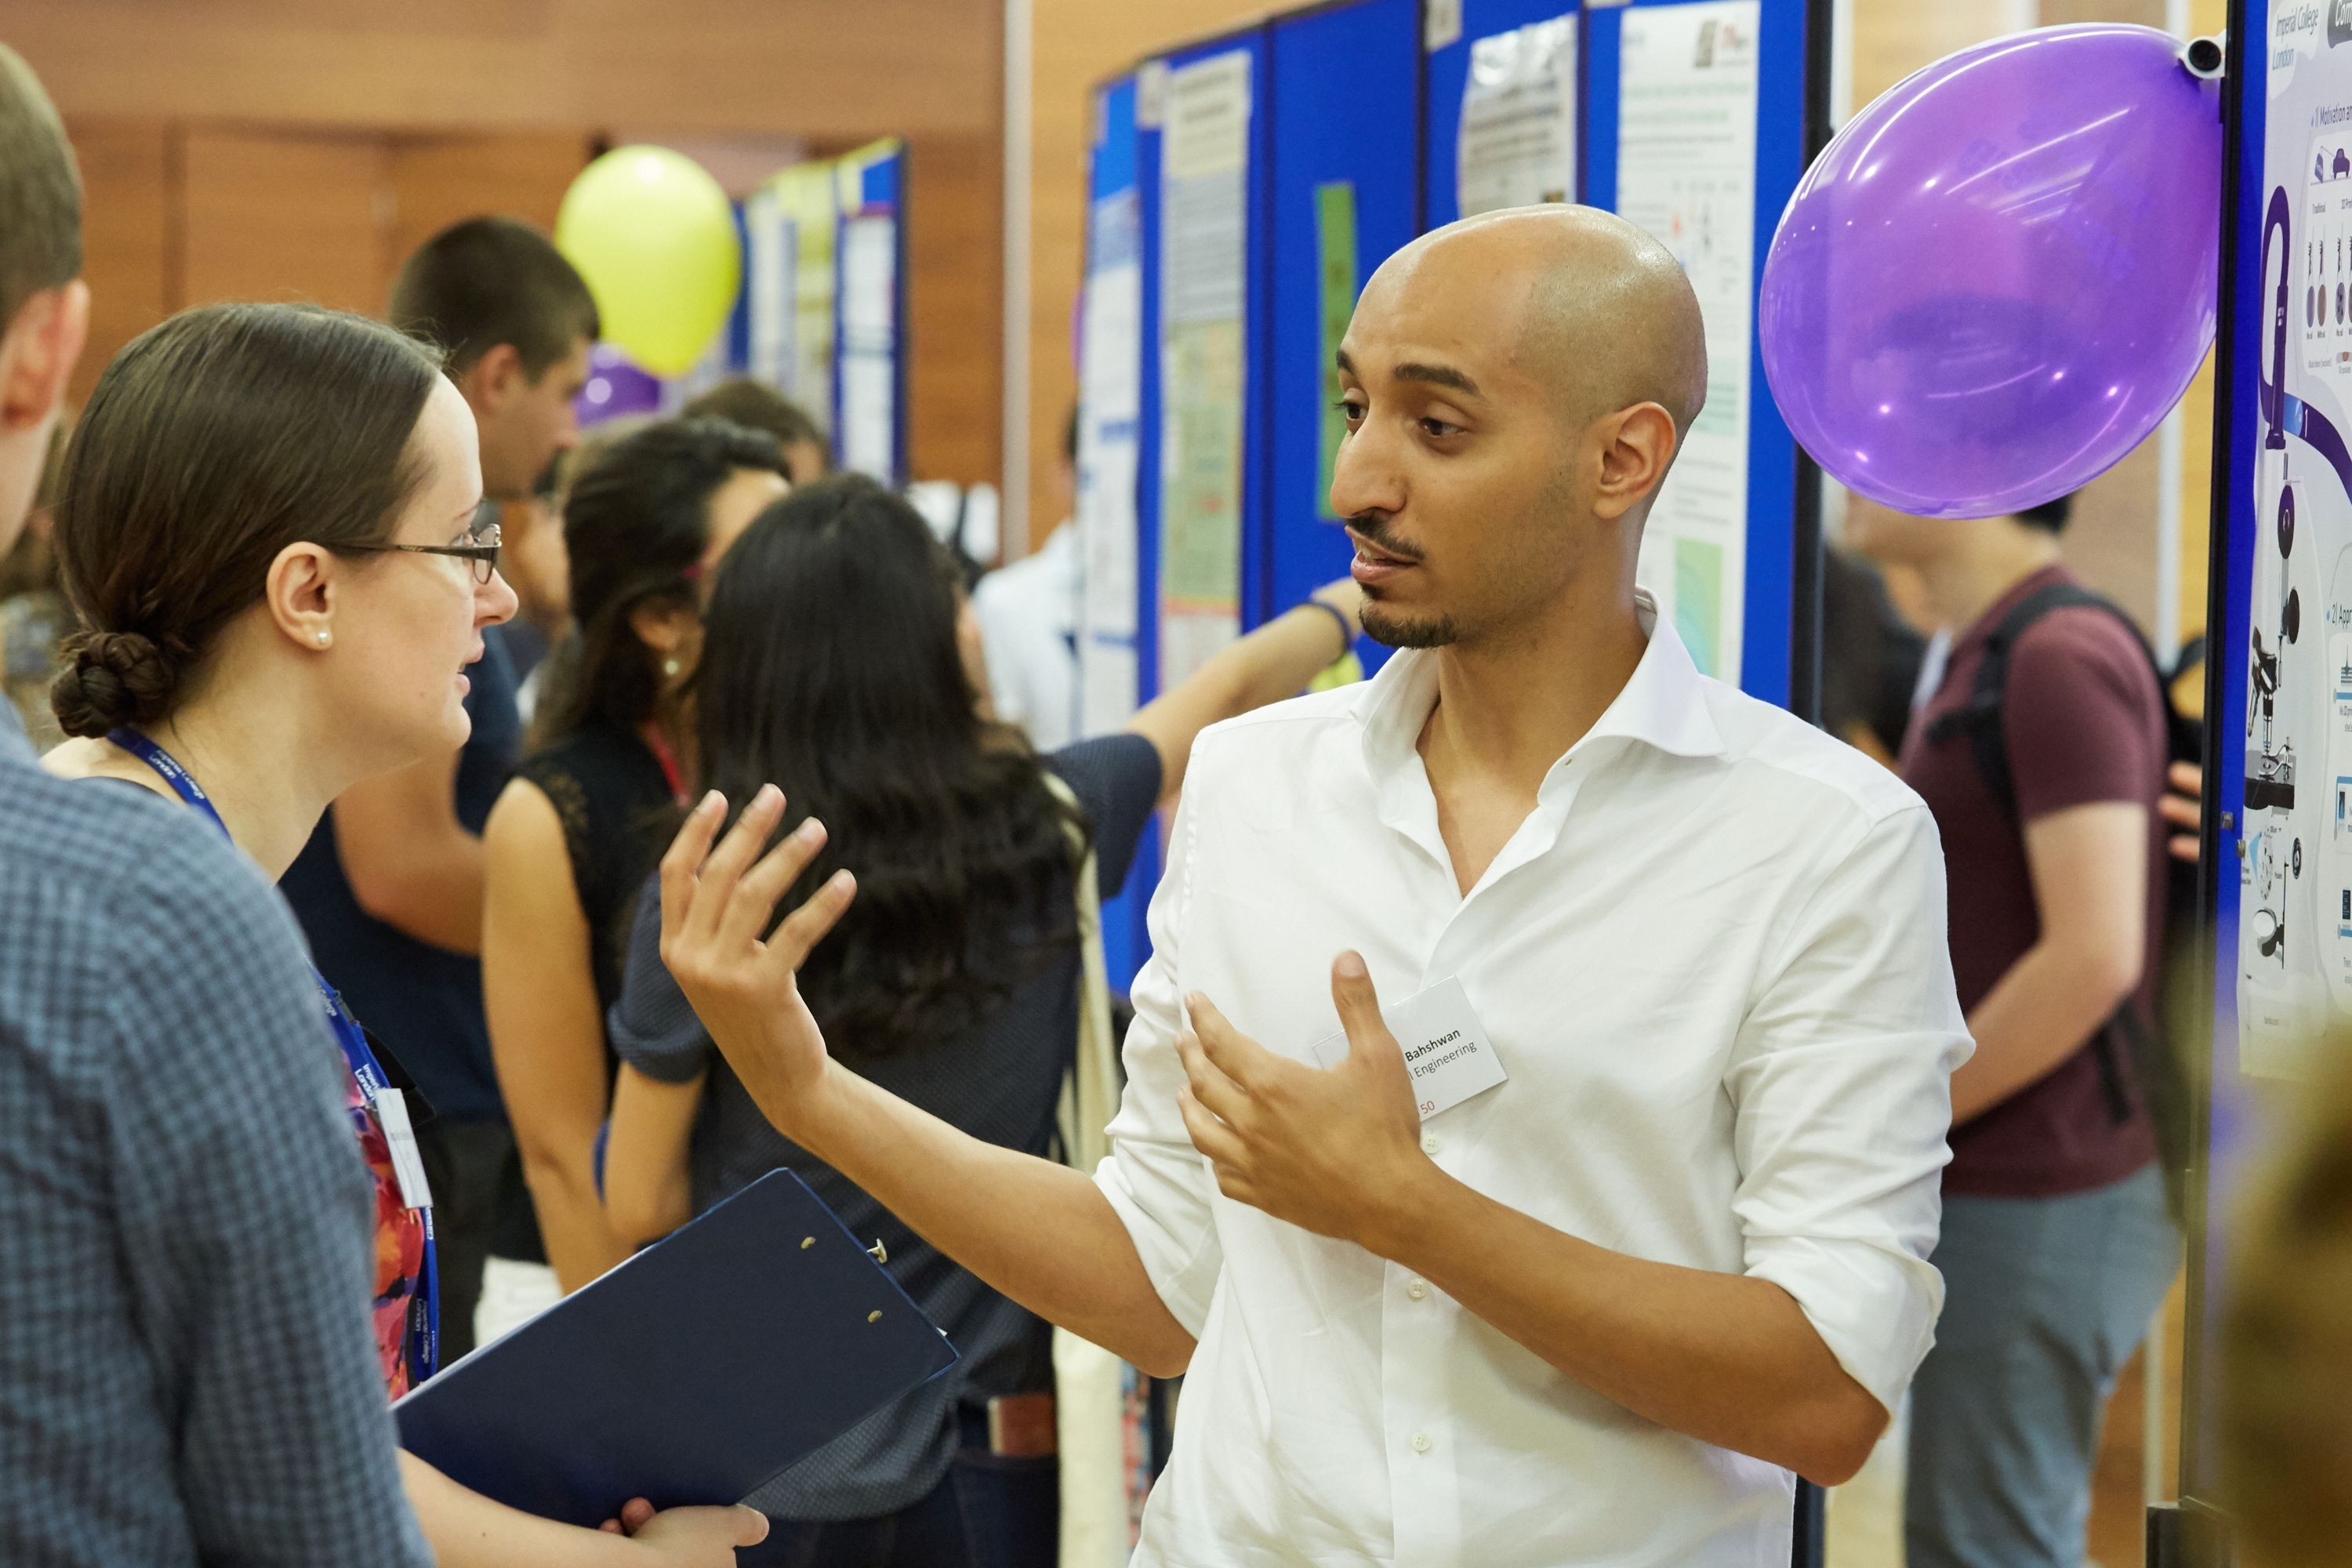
(1841, 1084)
(1153, 1176)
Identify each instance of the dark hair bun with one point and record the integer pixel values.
(113, 679)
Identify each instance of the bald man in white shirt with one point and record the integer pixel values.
(1634, 1221)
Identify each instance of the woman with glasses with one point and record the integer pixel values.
(578, 830)
(268, 529)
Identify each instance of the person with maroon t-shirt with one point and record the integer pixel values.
(2056, 1246)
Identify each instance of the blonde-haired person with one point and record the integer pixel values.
(2286, 1348)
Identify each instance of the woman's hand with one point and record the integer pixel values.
(716, 903)
(1346, 596)
(689, 1537)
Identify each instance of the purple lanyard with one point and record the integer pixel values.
(425, 1308)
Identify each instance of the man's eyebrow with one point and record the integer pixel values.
(1414, 370)
(1436, 375)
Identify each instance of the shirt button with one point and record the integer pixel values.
(1421, 1442)
(1431, 1144)
(1418, 1289)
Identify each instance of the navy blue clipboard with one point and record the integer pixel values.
(695, 1372)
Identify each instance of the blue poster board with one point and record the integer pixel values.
(1342, 197)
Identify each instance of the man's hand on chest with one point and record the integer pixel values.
(1337, 1150)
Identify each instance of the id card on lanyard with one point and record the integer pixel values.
(387, 1104)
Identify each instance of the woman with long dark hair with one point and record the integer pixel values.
(268, 529)
(831, 668)
(579, 829)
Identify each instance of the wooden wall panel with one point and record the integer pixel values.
(439, 180)
(489, 105)
(280, 217)
(955, 307)
(130, 242)
(826, 69)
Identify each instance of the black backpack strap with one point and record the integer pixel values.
(1979, 717)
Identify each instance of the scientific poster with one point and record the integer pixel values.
(1205, 174)
(1110, 391)
(2295, 917)
(1517, 145)
(1686, 173)
(869, 337)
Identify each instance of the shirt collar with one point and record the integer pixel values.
(1663, 705)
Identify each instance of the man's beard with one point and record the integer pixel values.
(1387, 626)
(1394, 630)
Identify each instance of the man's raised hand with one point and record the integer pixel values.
(717, 906)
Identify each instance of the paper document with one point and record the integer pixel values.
(1518, 142)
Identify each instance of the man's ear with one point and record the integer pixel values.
(38, 352)
(490, 381)
(1636, 446)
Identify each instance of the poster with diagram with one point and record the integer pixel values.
(2294, 923)
(1686, 173)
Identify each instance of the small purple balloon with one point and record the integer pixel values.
(2001, 276)
(615, 386)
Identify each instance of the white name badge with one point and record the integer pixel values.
(1446, 1050)
(400, 1137)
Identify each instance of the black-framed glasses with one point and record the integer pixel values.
(481, 549)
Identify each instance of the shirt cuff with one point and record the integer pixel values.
(1875, 1308)
(1185, 1275)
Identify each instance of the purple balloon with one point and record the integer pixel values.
(615, 386)
(2000, 276)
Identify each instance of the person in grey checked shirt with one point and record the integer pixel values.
(185, 1373)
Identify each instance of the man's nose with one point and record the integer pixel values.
(1367, 475)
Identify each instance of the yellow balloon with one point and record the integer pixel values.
(654, 236)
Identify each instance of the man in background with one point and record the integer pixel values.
(2057, 1247)
(1028, 614)
(390, 888)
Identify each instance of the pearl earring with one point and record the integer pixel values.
(669, 667)
(322, 639)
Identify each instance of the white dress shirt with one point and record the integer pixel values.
(1712, 961)
(1028, 614)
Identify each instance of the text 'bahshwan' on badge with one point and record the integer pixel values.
(1445, 1048)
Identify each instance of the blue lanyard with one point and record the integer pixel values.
(425, 1306)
